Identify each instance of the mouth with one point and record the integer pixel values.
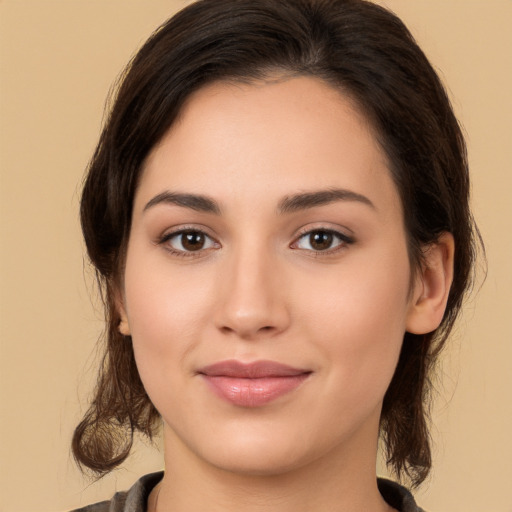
(253, 384)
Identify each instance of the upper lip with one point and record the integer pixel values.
(253, 370)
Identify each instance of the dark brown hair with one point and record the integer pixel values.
(359, 48)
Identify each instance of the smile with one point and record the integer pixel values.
(254, 384)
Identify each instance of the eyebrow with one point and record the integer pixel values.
(320, 198)
(196, 202)
(289, 204)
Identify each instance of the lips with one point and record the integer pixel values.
(254, 384)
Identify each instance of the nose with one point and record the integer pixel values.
(252, 301)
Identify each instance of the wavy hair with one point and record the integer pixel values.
(364, 51)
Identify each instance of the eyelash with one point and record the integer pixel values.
(167, 237)
(342, 241)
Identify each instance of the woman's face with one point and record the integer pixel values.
(267, 280)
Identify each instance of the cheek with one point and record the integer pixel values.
(165, 310)
(358, 321)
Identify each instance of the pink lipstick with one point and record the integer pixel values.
(254, 384)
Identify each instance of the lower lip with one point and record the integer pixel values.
(253, 392)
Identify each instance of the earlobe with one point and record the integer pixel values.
(124, 325)
(432, 287)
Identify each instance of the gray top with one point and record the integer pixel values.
(135, 499)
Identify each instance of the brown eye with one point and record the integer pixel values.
(321, 240)
(192, 240)
(188, 241)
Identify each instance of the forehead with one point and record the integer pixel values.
(268, 138)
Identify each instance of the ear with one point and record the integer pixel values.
(432, 286)
(124, 326)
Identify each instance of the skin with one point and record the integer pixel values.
(258, 289)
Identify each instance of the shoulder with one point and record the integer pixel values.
(133, 500)
(398, 496)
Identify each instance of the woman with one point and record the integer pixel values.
(278, 212)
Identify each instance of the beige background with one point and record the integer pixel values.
(57, 61)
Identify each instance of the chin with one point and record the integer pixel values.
(264, 452)
(260, 463)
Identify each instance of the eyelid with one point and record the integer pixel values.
(344, 239)
(338, 232)
(178, 230)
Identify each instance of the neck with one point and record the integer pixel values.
(342, 480)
